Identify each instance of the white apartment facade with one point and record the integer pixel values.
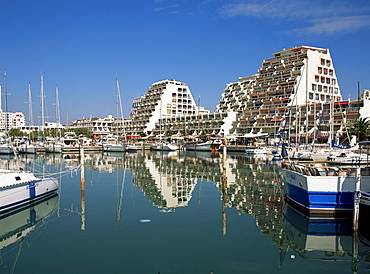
(99, 126)
(297, 82)
(163, 100)
(295, 91)
(9, 120)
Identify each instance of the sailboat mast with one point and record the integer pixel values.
(57, 109)
(42, 101)
(5, 104)
(117, 98)
(119, 110)
(30, 116)
(331, 119)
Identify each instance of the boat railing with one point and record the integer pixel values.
(325, 170)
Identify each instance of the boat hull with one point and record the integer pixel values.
(53, 149)
(6, 150)
(13, 195)
(164, 147)
(27, 150)
(114, 148)
(331, 195)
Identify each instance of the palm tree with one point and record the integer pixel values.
(361, 128)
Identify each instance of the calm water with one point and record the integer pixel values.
(169, 213)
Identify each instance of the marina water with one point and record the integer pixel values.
(170, 212)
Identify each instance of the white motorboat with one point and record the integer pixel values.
(211, 145)
(7, 148)
(27, 149)
(112, 144)
(132, 148)
(114, 147)
(164, 147)
(54, 147)
(321, 189)
(258, 151)
(18, 187)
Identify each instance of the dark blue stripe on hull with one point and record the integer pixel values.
(320, 200)
(18, 203)
(27, 205)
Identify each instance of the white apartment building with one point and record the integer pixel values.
(295, 92)
(9, 120)
(99, 126)
(303, 77)
(164, 100)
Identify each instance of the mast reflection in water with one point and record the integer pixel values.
(178, 212)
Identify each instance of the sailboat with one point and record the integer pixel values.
(113, 144)
(55, 145)
(27, 147)
(6, 146)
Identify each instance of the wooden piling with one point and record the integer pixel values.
(356, 204)
(82, 161)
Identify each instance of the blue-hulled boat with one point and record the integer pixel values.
(321, 189)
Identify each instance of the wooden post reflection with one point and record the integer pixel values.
(224, 186)
(82, 189)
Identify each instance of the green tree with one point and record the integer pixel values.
(15, 132)
(81, 131)
(360, 128)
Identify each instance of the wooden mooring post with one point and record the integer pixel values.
(82, 161)
(224, 187)
(357, 196)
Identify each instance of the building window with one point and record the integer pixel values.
(313, 87)
(316, 78)
(336, 90)
(325, 89)
(334, 82)
(331, 73)
(323, 80)
(323, 62)
(319, 87)
(325, 71)
(322, 97)
(319, 70)
(310, 95)
(328, 80)
(328, 63)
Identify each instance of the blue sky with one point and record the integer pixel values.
(82, 45)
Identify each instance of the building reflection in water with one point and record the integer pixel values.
(168, 179)
(249, 186)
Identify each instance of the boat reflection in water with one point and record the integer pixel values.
(322, 238)
(17, 223)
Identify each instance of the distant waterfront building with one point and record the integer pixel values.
(99, 126)
(295, 94)
(163, 101)
(11, 120)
